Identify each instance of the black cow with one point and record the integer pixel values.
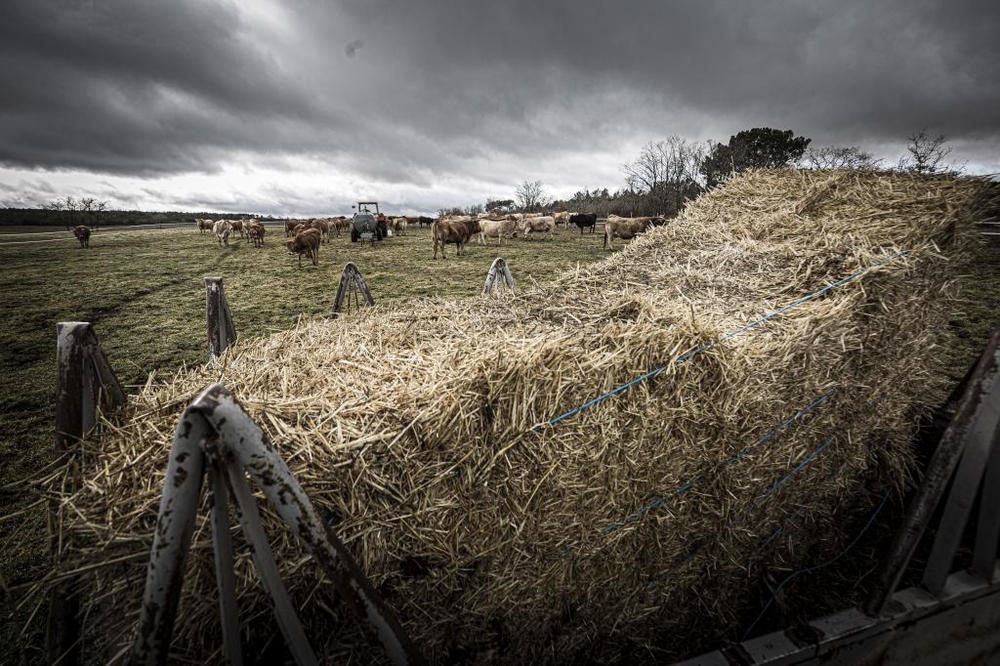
(584, 220)
(425, 220)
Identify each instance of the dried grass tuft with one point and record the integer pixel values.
(410, 429)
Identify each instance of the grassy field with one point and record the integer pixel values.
(143, 291)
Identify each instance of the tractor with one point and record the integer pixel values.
(367, 225)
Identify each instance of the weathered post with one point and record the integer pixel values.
(351, 282)
(499, 267)
(221, 332)
(84, 381)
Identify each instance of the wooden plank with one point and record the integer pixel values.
(968, 479)
(62, 640)
(242, 439)
(225, 573)
(270, 578)
(171, 540)
(939, 473)
(988, 530)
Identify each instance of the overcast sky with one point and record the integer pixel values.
(299, 107)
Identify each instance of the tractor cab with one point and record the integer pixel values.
(368, 222)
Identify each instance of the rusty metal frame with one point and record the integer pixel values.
(84, 383)
(221, 331)
(966, 444)
(216, 435)
(498, 268)
(351, 282)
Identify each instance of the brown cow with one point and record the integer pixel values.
(341, 223)
(290, 227)
(204, 225)
(323, 225)
(82, 233)
(306, 242)
(626, 228)
(445, 231)
(256, 231)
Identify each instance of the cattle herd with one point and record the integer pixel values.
(457, 230)
(308, 235)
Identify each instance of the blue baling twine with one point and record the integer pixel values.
(680, 490)
(763, 498)
(792, 517)
(710, 345)
(851, 545)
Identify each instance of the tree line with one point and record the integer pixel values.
(659, 181)
(70, 211)
(668, 173)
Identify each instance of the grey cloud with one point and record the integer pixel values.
(489, 91)
(352, 48)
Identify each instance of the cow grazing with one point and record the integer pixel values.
(341, 223)
(399, 225)
(306, 242)
(82, 233)
(323, 225)
(204, 225)
(456, 231)
(256, 231)
(626, 228)
(544, 224)
(583, 220)
(222, 230)
(500, 229)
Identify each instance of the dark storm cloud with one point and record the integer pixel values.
(138, 87)
(413, 92)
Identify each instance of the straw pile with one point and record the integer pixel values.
(410, 429)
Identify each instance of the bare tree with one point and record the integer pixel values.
(840, 157)
(80, 210)
(667, 172)
(926, 154)
(530, 196)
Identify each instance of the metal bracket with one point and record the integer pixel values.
(216, 435)
(351, 284)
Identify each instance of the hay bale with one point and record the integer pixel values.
(637, 523)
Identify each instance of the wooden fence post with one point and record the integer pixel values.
(351, 282)
(499, 266)
(221, 332)
(84, 382)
